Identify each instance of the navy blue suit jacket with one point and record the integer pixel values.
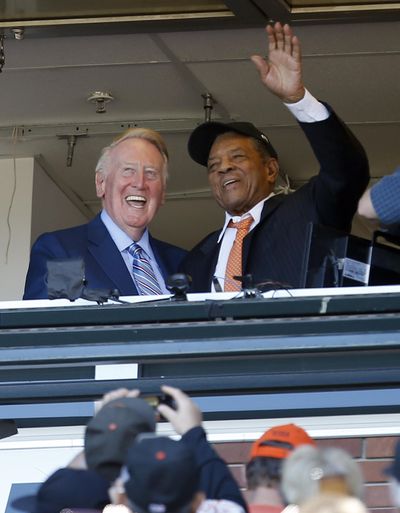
(104, 265)
(274, 250)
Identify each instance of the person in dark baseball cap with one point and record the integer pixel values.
(265, 231)
(163, 476)
(109, 433)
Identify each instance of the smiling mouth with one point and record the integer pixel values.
(136, 201)
(228, 182)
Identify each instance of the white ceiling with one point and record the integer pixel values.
(157, 80)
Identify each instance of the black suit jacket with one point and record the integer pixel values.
(104, 265)
(274, 249)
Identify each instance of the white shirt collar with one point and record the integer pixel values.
(120, 238)
(255, 213)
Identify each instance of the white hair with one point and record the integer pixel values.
(307, 465)
(151, 136)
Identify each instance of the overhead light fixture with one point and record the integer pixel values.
(18, 33)
(100, 99)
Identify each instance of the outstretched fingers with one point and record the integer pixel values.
(280, 37)
(296, 48)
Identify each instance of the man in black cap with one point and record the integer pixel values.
(264, 233)
(112, 430)
(164, 477)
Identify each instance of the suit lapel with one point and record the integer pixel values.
(105, 252)
(160, 257)
(210, 249)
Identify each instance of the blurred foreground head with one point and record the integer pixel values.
(112, 430)
(269, 451)
(163, 476)
(309, 471)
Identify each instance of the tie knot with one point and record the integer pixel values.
(134, 249)
(243, 225)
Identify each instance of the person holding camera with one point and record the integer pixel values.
(97, 473)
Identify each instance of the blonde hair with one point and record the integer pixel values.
(147, 134)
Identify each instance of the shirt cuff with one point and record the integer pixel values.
(308, 109)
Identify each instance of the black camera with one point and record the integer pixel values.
(155, 400)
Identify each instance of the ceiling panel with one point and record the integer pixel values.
(355, 83)
(81, 51)
(199, 46)
(136, 90)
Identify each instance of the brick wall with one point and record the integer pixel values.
(372, 453)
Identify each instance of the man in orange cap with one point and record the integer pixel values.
(263, 471)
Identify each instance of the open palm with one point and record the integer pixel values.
(282, 71)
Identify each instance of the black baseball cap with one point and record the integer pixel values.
(110, 432)
(163, 474)
(203, 137)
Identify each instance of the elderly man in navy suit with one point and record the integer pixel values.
(264, 233)
(116, 246)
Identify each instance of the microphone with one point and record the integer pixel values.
(248, 288)
(178, 284)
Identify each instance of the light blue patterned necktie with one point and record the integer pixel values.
(143, 273)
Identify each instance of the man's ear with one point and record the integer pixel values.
(100, 181)
(272, 167)
(162, 202)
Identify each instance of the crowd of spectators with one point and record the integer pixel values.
(125, 467)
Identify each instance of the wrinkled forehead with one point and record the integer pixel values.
(138, 152)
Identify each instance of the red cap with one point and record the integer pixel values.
(288, 437)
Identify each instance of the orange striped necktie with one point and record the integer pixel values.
(234, 265)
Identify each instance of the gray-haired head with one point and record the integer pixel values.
(306, 469)
(147, 134)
